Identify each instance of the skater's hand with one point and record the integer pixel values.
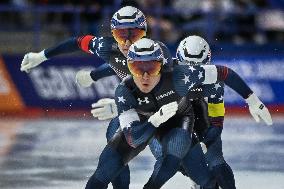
(32, 60)
(104, 109)
(83, 78)
(165, 112)
(258, 109)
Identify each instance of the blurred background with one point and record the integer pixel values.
(246, 35)
(42, 112)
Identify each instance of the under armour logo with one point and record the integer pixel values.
(117, 60)
(261, 106)
(140, 101)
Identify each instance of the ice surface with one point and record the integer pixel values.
(49, 154)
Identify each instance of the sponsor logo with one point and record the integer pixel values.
(146, 100)
(117, 60)
(58, 83)
(165, 95)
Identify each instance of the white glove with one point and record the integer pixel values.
(258, 110)
(165, 112)
(83, 78)
(104, 109)
(203, 147)
(32, 60)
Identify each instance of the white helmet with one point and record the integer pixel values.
(128, 17)
(145, 50)
(193, 50)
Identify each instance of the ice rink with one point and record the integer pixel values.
(49, 154)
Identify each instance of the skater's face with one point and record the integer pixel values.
(146, 83)
(146, 74)
(125, 47)
(126, 36)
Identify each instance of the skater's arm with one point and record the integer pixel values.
(67, 46)
(101, 72)
(187, 77)
(136, 132)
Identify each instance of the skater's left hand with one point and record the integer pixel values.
(258, 109)
(104, 109)
(83, 78)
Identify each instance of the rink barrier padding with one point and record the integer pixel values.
(10, 98)
(35, 113)
(50, 89)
